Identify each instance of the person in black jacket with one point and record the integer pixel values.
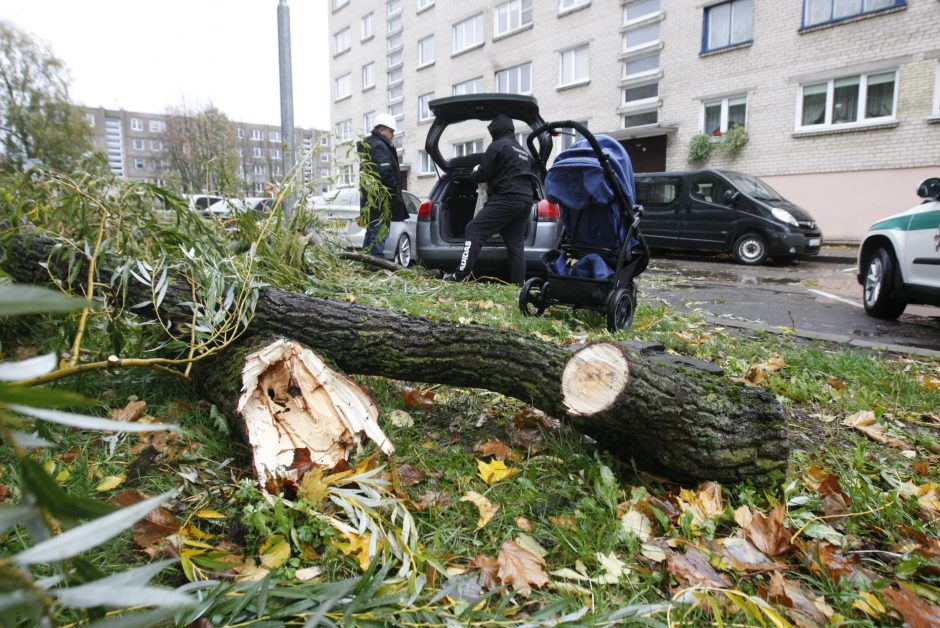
(507, 170)
(378, 204)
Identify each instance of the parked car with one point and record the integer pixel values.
(227, 206)
(899, 257)
(724, 211)
(201, 202)
(340, 209)
(443, 217)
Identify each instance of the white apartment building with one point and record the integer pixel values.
(840, 98)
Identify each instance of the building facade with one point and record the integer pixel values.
(135, 144)
(840, 99)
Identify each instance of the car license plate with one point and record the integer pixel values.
(813, 242)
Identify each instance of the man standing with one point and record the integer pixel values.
(507, 170)
(381, 199)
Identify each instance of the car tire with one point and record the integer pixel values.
(621, 305)
(532, 297)
(878, 290)
(750, 249)
(403, 251)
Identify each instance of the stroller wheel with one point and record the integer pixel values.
(531, 298)
(620, 307)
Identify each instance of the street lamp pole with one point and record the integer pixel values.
(287, 103)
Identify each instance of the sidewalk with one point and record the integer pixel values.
(836, 253)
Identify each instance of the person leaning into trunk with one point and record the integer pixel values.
(507, 170)
(379, 156)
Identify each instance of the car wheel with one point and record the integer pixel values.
(403, 251)
(878, 292)
(532, 297)
(621, 305)
(750, 249)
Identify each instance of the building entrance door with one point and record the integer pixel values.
(648, 154)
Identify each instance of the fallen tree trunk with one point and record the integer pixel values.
(675, 416)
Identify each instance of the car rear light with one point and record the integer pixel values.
(424, 211)
(548, 211)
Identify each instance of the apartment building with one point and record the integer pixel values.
(840, 98)
(135, 144)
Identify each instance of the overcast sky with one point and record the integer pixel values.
(146, 55)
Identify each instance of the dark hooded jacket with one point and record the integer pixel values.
(506, 166)
(378, 150)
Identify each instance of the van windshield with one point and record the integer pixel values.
(753, 187)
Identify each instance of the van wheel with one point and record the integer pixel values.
(878, 292)
(750, 249)
(620, 308)
(532, 297)
(403, 251)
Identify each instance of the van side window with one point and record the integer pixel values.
(708, 188)
(657, 191)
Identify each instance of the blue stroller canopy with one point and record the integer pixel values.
(590, 209)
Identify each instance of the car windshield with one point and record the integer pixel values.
(753, 187)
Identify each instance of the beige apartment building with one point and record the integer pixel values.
(135, 145)
(840, 98)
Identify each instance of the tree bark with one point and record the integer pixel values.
(673, 415)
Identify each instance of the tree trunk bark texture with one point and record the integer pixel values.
(675, 416)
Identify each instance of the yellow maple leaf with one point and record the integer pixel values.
(312, 487)
(358, 545)
(495, 471)
(704, 503)
(111, 482)
(486, 507)
(274, 552)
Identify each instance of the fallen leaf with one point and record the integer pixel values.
(869, 604)
(637, 524)
(313, 488)
(527, 439)
(410, 475)
(486, 507)
(773, 364)
(417, 398)
(913, 610)
(524, 524)
(529, 417)
(209, 514)
(865, 423)
(4, 492)
(567, 522)
(131, 412)
(400, 418)
(531, 544)
(834, 506)
(835, 383)
(69, 456)
(704, 503)
(741, 555)
(433, 498)
(307, 573)
(653, 552)
(151, 532)
(614, 568)
(358, 545)
(743, 516)
(768, 533)
(826, 558)
(488, 568)
(111, 482)
(495, 448)
(799, 606)
(495, 471)
(62, 477)
(692, 570)
(520, 568)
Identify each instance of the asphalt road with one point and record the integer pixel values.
(813, 299)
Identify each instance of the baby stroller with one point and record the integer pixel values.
(601, 251)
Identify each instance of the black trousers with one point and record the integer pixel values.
(506, 216)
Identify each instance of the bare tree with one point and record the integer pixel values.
(201, 146)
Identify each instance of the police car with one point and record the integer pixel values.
(899, 258)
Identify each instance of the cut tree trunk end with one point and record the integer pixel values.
(593, 379)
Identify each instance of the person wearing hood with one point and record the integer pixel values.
(378, 155)
(507, 170)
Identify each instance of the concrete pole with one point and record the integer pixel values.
(287, 102)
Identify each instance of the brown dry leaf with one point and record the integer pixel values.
(800, 607)
(704, 503)
(410, 475)
(768, 533)
(494, 447)
(834, 506)
(741, 556)
(488, 568)
(827, 558)
(433, 498)
(814, 476)
(754, 377)
(524, 524)
(131, 412)
(922, 467)
(151, 532)
(692, 570)
(567, 522)
(486, 507)
(916, 612)
(4, 492)
(835, 383)
(928, 496)
(527, 439)
(417, 398)
(530, 417)
(25, 352)
(521, 568)
(773, 364)
(69, 456)
(865, 423)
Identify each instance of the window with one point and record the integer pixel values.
(720, 115)
(368, 122)
(343, 87)
(468, 148)
(240, 133)
(574, 67)
(240, 151)
(425, 163)
(156, 145)
(641, 66)
(394, 41)
(511, 16)
(641, 94)
(339, 4)
(324, 140)
(275, 153)
(396, 91)
(394, 59)
(640, 119)
(394, 7)
(467, 34)
(426, 51)
(157, 126)
(822, 11)
(394, 24)
(424, 111)
(569, 136)
(657, 191)
(346, 175)
(368, 76)
(137, 124)
(515, 80)
(344, 130)
(640, 10)
(258, 169)
(90, 119)
(274, 136)
(257, 152)
(473, 86)
(367, 30)
(424, 4)
(341, 41)
(397, 111)
(708, 188)
(641, 37)
(139, 164)
(395, 76)
(324, 173)
(728, 24)
(137, 144)
(324, 157)
(256, 135)
(324, 188)
(571, 5)
(848, 101)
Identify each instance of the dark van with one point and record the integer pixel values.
(723, 211)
